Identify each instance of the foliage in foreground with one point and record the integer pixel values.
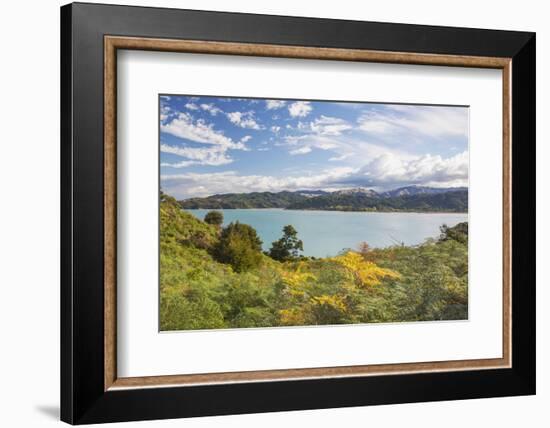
(200, 290)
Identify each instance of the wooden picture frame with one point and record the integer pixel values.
(91, 390)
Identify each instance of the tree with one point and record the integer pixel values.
(214, 217)
(288, 247)
(239, 246)
(457, 233)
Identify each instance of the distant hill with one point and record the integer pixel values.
(449, 201)
(358, 191)
(410, 198)
(311, 193)
(248, 200)
(416, 190)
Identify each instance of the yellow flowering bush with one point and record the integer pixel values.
(366, 273)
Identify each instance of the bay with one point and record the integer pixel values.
(326, 233)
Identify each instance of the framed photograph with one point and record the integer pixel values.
(266, 213)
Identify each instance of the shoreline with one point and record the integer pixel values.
(337, 211)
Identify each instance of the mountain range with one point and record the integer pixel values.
(409, 198)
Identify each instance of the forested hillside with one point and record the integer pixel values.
(214, 277)
(452, 201)
(248, 200)
(411, 198)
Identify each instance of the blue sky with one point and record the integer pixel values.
(213, 145)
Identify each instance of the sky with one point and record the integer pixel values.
(216, 145)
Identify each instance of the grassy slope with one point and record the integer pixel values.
(397, 284)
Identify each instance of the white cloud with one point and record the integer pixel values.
(165, 112)
(320, 134)
(389, 170)
(182, 164)
(195, 184)
(214, 156)
(299, 109)
(274, 104)
(339, 158)
(381, 156)
(191, 106)
(300, 151)
(183, 126)
(386, 171)
(244, 119)
(352, 147)
(432, 121)
(211, 108)
(310, 140)
(376, 124)
(325, 144)
(326, 125)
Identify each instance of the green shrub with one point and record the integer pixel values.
(239, 246)
(457, 233)
(214, 218)
(178, 312)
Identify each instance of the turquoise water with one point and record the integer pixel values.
(325, 233)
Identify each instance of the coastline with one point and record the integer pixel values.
(340, 211)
